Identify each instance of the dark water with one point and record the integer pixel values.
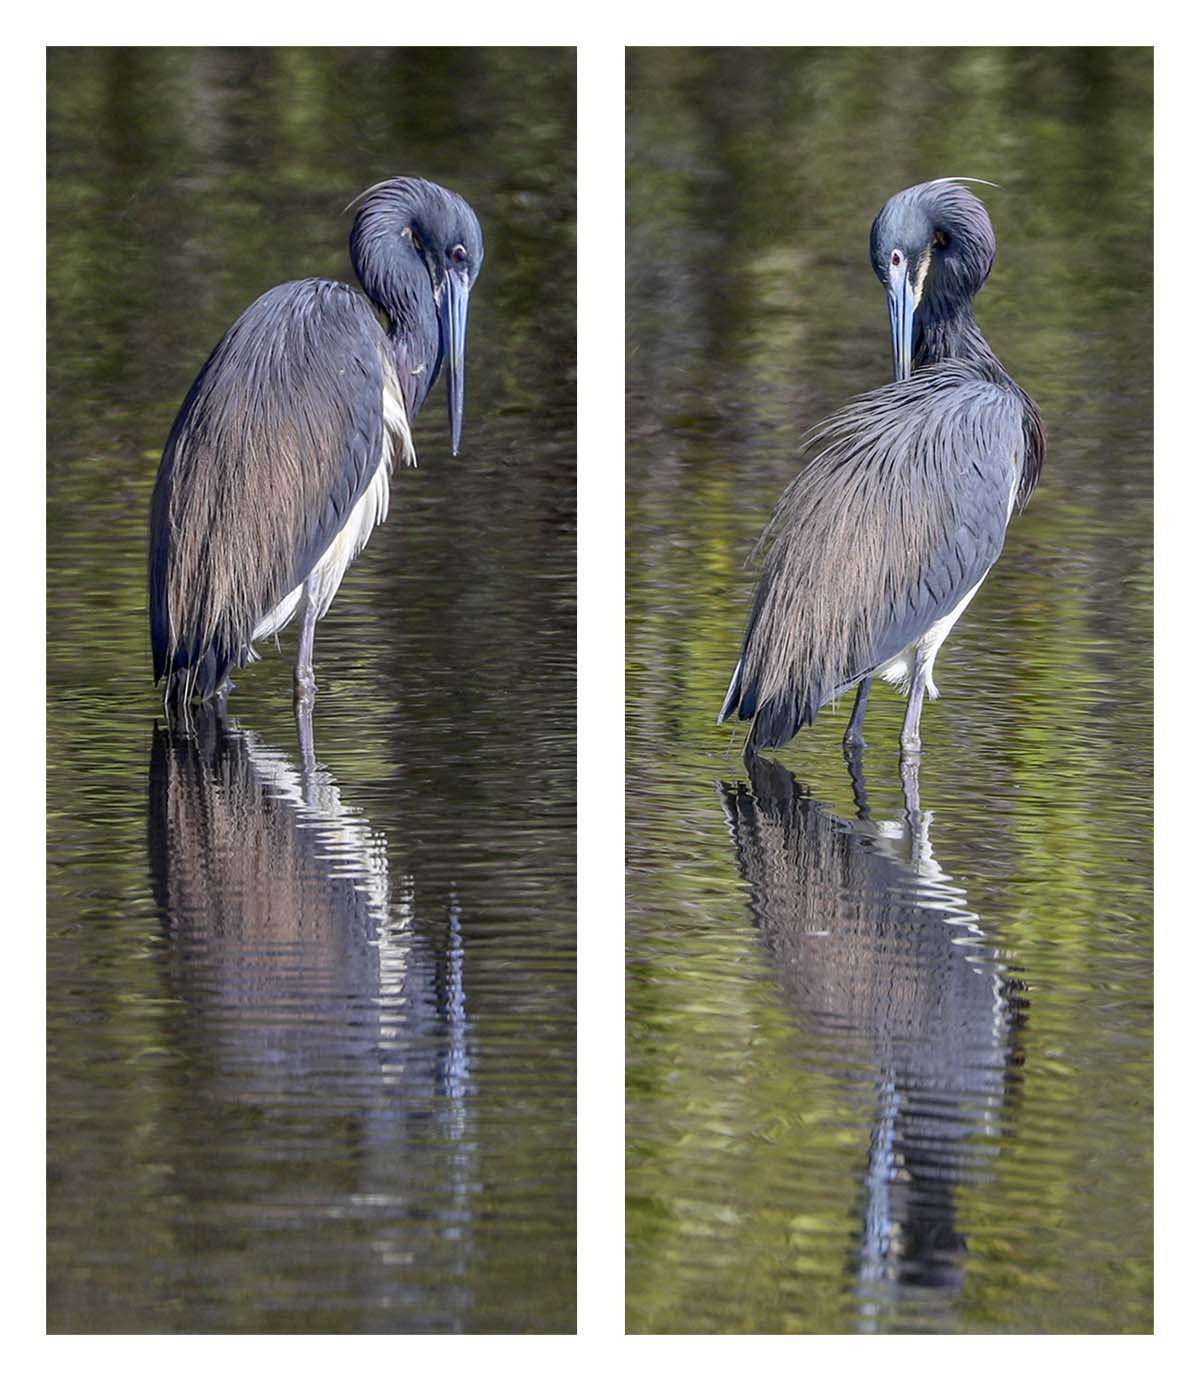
(889, 1042)
(312, 1022)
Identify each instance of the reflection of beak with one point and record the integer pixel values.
(456, 293)
(902, 307)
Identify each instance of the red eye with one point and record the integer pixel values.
(895, 257)
(458, 254)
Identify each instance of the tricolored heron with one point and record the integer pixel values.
(879, 544)
(277, 468)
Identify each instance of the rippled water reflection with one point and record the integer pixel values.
(311, 1016)
(327, 1000)
(903, 1001)
(889, 1041)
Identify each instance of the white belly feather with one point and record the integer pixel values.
(922, 652)
(370, 510)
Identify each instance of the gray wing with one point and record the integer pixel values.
(276, 442)
(898, 517)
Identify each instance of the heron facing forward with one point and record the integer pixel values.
(880, 543)
(277, 468)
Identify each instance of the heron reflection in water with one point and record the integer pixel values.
(277, 468)
(885, 966)
(883, 539)
(319, 987)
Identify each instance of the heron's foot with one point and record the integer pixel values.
(911, 783)
(304, 688)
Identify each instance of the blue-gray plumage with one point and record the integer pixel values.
(276, 469)
(882, 539)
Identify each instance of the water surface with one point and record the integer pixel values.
(889, 1042)
(312, 1019)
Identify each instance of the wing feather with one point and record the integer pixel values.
(277, 440)
(898, 515)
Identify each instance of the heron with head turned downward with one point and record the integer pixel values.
(883, 539)
(276, 470)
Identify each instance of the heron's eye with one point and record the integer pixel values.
(895, 258)
(458, 254)
(940, 239)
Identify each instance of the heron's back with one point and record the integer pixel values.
(898, 516)
(280, 436)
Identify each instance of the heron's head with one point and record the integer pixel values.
(412, 236)
(932, 248)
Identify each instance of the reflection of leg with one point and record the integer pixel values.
(209, 729)
(304, 680)
(304, 732)
(853, 737)
(858, 783)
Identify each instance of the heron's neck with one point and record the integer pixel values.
(416, 351)
(955, 337)
(959, 338)
(403, 295)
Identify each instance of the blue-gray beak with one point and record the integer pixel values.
(902, 307)
(456, 296)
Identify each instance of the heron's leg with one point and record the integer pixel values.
(910, 734)
(853, 737)
(304, 680)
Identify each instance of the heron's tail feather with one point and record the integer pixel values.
(734, 694)
(779, 720)
(776, 720)
(205, 670)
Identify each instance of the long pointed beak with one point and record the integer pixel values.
(456, 295)
(902, 307)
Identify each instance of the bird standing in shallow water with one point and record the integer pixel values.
(276, 470)
(879, 544)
